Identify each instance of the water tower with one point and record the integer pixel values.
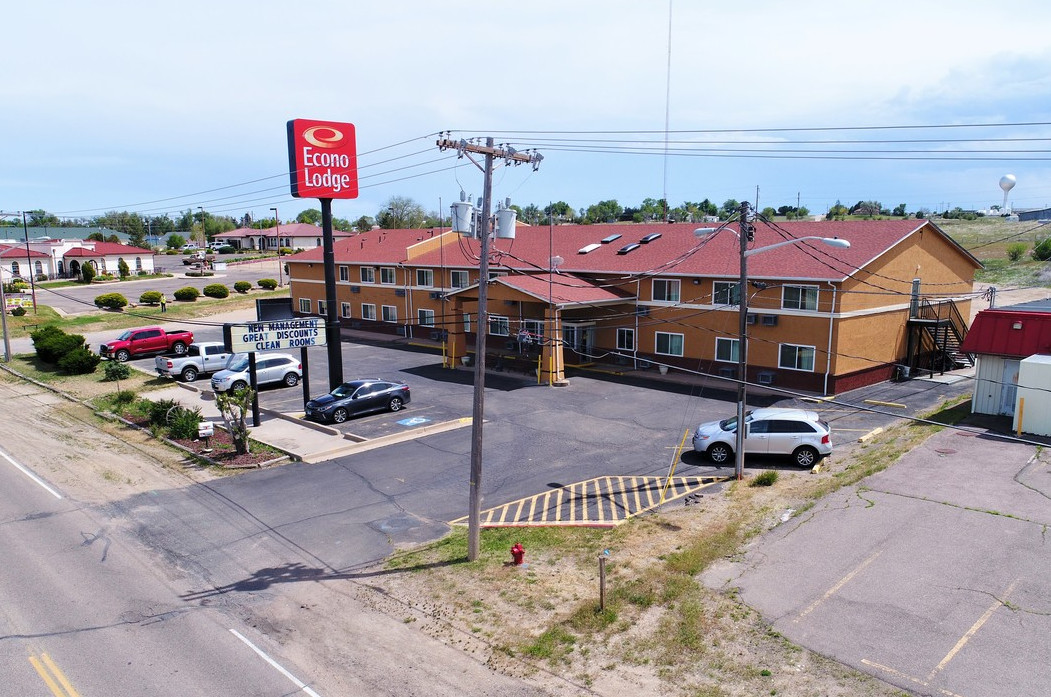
(1007, 183)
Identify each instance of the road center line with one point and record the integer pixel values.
(842, 582)
(971, 632)
(29, 473)
(295, 681)
(52, 676)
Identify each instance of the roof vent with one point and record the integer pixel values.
(628, 248)
(588, 248)
(649, 238)
(611, 238)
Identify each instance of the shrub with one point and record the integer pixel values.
(171, 251)
(123, 269)
(111, 301)
(87, 273)
(52, 344)
(183, 422)
(158, 411)
(79, 361)
(19, 311)
(284, 251)
(115, 370)
(1042, 251)
(226, 250)
(267, 283)
(242, 286)
(766, 478)
(188, 294)
(150, 297)
(1016, 250)
(15, 286)
(216, 290)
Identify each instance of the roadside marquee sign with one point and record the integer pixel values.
(278, 335)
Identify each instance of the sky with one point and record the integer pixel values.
(166, 107)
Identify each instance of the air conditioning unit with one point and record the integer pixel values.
(769, 320)
(765, 378)
(751, 318)
(400, 292)
(727, 372)
(355, 289)
(436, 295)
(642, 311)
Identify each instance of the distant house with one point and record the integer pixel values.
(105, 257)
(295, 236)
(18, 262)
(1001, 338)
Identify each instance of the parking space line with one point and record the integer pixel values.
(839, 584)
(972, 631)
(905, 676)
(601, 502)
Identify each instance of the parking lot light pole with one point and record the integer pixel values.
(277, 232)
(745, 236)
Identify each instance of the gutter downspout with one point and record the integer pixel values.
(828, 351)
(635, 351)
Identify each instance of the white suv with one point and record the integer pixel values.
(269, 368)
(774, 431)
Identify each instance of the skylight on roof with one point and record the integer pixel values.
(612, 238)
(628, 248)
(649, 238)
(588, 248)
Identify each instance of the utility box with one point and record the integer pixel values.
(1033, 405)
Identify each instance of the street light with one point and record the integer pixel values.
(277, 232)
(745, 236)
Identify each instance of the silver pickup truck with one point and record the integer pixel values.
(201, 358)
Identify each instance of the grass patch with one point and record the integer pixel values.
(765, 478)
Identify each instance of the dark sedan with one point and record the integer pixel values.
(358, 397)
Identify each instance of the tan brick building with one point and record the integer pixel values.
(820, 319)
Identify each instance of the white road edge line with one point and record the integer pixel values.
(29, 473)
(295, 681)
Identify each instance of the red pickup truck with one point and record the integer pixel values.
(146, 341)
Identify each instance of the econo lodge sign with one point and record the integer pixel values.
(322, 159)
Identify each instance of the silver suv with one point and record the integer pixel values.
(269, 368)
(774, 431)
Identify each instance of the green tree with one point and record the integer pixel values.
(96, 237)
(175, 241)
(768, 212)
(41, 218)
(233, 407)
(400, 213)
(866, 209)
(560, 210)
(604, 212)
(728, 208)
(899, 211)
(123, 270)
(87, 273)
(311, 216)
(1042, 251)
(363, 224)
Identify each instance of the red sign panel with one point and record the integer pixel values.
(322, 159)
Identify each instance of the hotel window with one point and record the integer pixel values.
(426, 318)
(725, 293)
(799, 297)
(499, 326)
(304, 305)
(467, 322)
(425, 278)
(796, 357)
(460, 279)
(665, 290)
(368, 311)
(390, 313)
(669, 344)
(726, 350)
(535, 329)
(344, 310)
(387, 276)
(344, 274)
(322, 308)
(625, 339)
(368, 274)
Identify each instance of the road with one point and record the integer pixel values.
(120, 579)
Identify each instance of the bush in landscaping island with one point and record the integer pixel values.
(183, 422)
(226, 250)
(267, 283)
(79, 361)
(18, 311)
(87, 273)
(115, 370)
(150, 297)
(52, 344)
(111, 301)
(216, 290)
(187, 294)
(123, 270)
(242, 286)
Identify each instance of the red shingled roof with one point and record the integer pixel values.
(287, 230)
(105, 249)
(677, 248)
(15, 252)
(562, 289)
(1009, 333)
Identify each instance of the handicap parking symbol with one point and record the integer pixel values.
(414, 421)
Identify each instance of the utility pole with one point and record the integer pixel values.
(509, 155)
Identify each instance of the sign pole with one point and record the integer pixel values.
(335, 354)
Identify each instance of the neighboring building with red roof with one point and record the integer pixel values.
(820, 319)
(295, 236)
(105, 257)
(1002, 338)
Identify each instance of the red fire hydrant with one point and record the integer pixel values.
(517, 553)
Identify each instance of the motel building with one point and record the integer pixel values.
(820, 319)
